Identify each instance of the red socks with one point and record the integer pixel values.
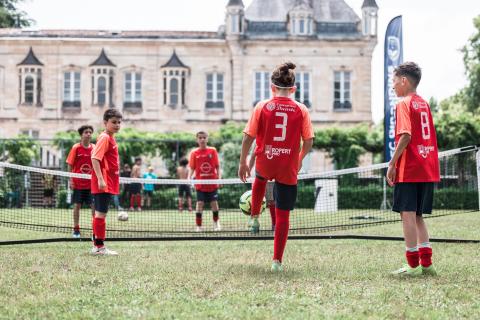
(76, 228)
(281, 233)
(198, 219)
(412, 258)
(425, 256)
(136, 198)
(99, 230)
(271, 206)
(258, 192)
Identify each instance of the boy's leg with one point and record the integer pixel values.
(258, 193)
(271, 208)
(424, 246)
(76, 218)
(216, 215)
(410, 234)
(102, 201)
(198, 215)
(189, 203)
(180, 203)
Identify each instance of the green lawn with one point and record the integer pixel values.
(341, 279)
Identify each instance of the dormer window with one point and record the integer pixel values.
(30, 78)
(301, 26)
(103, 75)
(174, 82)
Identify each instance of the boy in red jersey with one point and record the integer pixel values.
(278, 126)
(79, 160)
(204, 165)
(413, 169)
(105, 180)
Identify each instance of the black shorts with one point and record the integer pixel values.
(184, 190)
(285, 196)
(207, 196)
(82, 196)
(135, 188)
(413, 196)
(102, 201)
(48, 193)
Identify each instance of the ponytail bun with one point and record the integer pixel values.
(284, 75)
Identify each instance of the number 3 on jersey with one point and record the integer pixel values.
(425, 125)
(282, 126)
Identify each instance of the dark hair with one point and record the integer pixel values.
(201, 132)
(138, 159)
(183, 162)
(284, 75)
(83, 128)
(411, 71)
(111, 113)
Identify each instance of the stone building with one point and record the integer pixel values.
(53, 80)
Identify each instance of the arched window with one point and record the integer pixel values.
(29, 89)
(173, 92)
(101, 91)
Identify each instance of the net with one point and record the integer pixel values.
(39, 199)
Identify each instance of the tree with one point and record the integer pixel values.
(471, 59)
(22, 150)
(11, 16)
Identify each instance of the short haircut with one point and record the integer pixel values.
(201, 132)
(83, 128)
(411, 71)
(112, 113)
(183, 162)
(138, 159)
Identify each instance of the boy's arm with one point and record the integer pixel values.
(402, 144)
(243, 169)
(98, 173)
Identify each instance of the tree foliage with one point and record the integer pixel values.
(11, 16)
(471, 59)
(22, 150)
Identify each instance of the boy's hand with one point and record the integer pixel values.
(391, 173)
(101, 184)
(243, 172)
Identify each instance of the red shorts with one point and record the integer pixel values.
(270, 170)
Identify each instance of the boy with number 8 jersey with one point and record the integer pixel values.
(413, 169)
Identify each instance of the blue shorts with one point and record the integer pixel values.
(207, 196)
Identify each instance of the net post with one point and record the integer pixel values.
(478, 177)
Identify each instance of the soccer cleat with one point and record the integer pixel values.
(429, 271)
(254, 225)
(103, 251)
(217, 226)
(199, 229)
(76, 234)
(139, 209)
(276, 266)
(131, 209)
(408, 271)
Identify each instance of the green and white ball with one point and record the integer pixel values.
(245, 203)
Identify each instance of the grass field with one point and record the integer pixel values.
(340, 279)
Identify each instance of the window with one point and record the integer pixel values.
(34, 134)
(71, 89)
(303, 88)
(301, 25)
(214, 91)
(103, 86)
(132, 90)
(174, 85)
(262, 86)
(342, 94)
(30, 82)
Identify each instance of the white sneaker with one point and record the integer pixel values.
(199, 229)
(103, 251)
(217, 226)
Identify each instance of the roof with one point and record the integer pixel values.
(103, 60)
(30, 59)
(369, 4)
(324, 10)
(174, 62)
(235, 3)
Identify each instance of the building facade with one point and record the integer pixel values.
(57, 80)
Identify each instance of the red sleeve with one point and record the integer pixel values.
(72, 155)
(404, 124)
(192, 163)
(101, 147)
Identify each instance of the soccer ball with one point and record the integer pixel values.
(122, 216)
(245, 203)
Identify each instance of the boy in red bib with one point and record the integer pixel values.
(79, 161)
(106, 177)
(278, 126)
(413, 169)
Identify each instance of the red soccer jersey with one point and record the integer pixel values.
(80, 160)
(204, 162)
(279, 125)
(419, 161)
(106, 151)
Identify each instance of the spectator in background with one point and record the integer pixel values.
(184, 190)
(125, 173)
(48, 189)
(136, 188)
(148, 187)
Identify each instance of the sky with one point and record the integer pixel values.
(434, 31)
